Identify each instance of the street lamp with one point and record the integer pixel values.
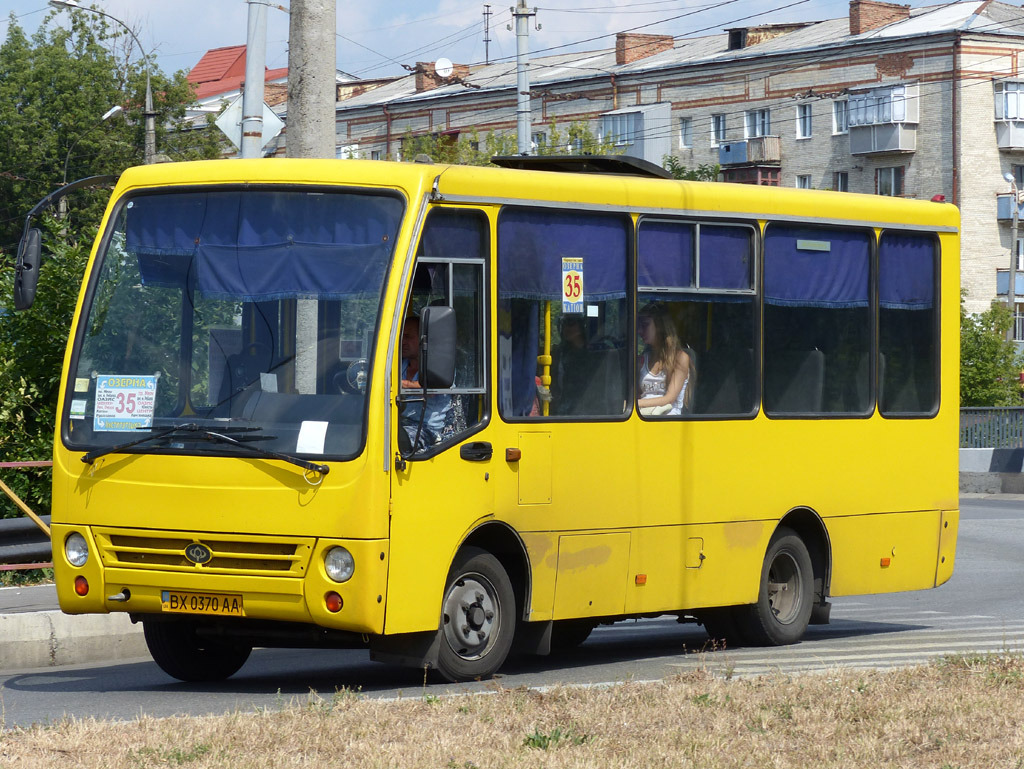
(150, 147)
(1011, 289)
(116, 109)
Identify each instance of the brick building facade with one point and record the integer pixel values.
(888, 100)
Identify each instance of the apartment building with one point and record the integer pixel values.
(889, 100)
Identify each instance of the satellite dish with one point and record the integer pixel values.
(443, 67)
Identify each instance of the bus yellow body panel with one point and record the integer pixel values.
(615, 517)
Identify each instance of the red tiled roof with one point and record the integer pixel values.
(218, 64)
(222, 70)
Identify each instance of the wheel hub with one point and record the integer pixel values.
(471, 616)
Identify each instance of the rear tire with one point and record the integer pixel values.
(785, 596)
(478, 617)
(181, 653)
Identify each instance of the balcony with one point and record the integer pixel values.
(1010, 134)
(883, 137)
(763, 150)
(1004, 208)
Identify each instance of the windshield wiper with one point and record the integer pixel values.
(219, 437)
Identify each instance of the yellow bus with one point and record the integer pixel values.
(394, 406)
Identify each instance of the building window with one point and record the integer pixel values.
(840, 117)
(539, 141)
(758, 123)
(841, 181)
(1008, 100)
(892, 104)
(375, 154)
(889, 181)
(619, 129)
(803, 121)
(803, 181)
(717, 130)
(1018, 176)
(685, 132)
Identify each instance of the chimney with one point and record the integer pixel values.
(427, 78)
(630, 46)
(866, 15)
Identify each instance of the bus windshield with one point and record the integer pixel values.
(250, 313)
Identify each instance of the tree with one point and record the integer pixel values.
(468, 149)
(54, 89)
(990, 365)
(705, 172)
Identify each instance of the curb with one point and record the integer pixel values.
(50, 638)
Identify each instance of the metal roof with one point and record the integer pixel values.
(972, 16)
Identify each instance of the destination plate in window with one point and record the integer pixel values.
(180, 602)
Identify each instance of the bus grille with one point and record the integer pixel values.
(231, 554)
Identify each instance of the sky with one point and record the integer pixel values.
(376, 37)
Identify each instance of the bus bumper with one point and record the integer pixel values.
(358, 604)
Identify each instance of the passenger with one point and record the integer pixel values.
(434, 408)
(666, 367)
(571, 367)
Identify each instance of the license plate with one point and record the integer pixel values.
(177, 602)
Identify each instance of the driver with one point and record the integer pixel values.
(434, 408)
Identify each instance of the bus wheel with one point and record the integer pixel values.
(184, 655)
(477, 617)
(785, 596)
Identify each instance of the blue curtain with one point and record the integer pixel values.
(259, 245)
(532, 243)
(906, 271)
(725, 257)
(665, 255)
(816, 267)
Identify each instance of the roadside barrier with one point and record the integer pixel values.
(24, 542)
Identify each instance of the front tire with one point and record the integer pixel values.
(785, 596)
(477, 617)
(183, 654)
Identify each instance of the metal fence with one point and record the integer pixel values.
(992, 428)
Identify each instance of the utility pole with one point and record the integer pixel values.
(522, 16)
(252, 93)
(311, 79)
(487, 33)
(312, 100)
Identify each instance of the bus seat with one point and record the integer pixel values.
(605, 392)
(726, 378)
(794, 381)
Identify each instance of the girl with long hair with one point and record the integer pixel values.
(666, 368)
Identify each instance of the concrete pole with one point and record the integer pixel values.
(310, 134)
(311, 79)
(252, 93)
(522, 16)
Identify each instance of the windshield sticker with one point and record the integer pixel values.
(124, 402)
(572, 285)
(78, 408)
(311, 438)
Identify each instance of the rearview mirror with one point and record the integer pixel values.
(437, 348)
(26, 269)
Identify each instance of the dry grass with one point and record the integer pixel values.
(960, 712)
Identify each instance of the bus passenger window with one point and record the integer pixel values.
(562, 319)
(908, 331)
(817, 321)
(701, 275)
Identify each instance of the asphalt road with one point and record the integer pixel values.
(981, 609)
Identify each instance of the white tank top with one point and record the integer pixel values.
(655, 385)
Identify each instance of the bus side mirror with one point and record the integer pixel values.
(26, 269)
(437, 347)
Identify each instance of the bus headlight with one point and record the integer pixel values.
(76, 549)
(339, 564)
